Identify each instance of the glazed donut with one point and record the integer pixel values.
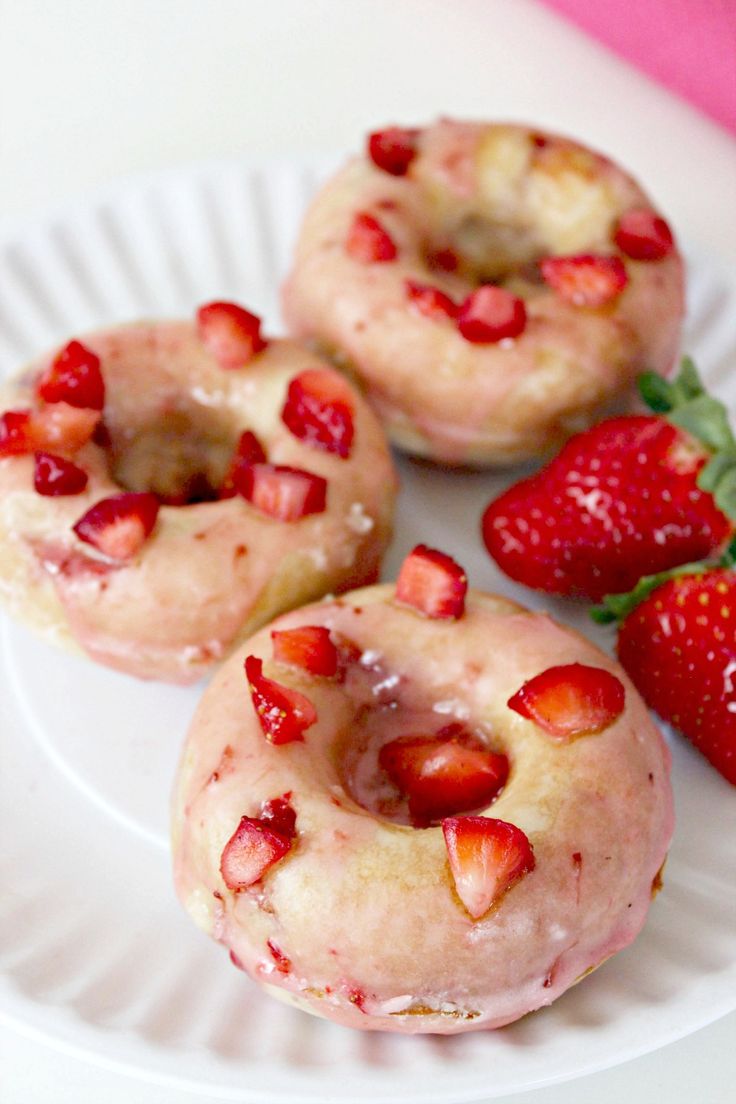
(166, 488)
(439, 812)
(495, 288)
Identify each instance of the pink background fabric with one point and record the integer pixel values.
(688, 45)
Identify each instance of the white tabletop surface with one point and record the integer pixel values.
(95, 90)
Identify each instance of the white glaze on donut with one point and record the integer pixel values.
(365, 910)
(211, 572)
(501, 196)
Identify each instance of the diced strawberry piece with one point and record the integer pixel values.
(393, 149)
(57, 426)
(231, 333)
(237, 962)
(348, 652)
(585, 280)
(357, 996)
(486, 857)
(430, 301)
(64, 427)
(432, 583)
(283, 714)
(248, 450)
(279, 814)
(642, 235)
(16, 433)
(283, 963)
(446, 260)
(54, 475)
(73, 377)
(490, 314)
(570, 700)
(308, 647)
(287, 494)
(443, 776)
(251, 851)
(368, 242)
(319, 411)
(118, 526)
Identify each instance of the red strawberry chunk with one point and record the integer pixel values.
(368, 242)
(282, 961)
(432, 583)
(642, 235)
(486, 857)
(308, 647)
(16, 433)
(118, 526)
(237, 962)
(57, 426)
(443, 776)
(585, 280)
(251, 851)
(73, 377)
(357, 996)
(62, 426)
(283, 714)
(445, 259)
(248, 450)
(280, 492)
(53, 475)
(319, 411)
(491, 314)
(679, 649)
(279, 814)
(231, 333)
(430, 301)
(393, 149)
(570, 700)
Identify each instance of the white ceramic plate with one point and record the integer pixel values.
(96, 955)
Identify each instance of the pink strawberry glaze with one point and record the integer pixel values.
(211, 572)
(501, 197)
(361, 904)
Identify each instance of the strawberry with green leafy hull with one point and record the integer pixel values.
(677, 641)
(632, 496)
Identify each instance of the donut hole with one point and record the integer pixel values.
(531, 196)
(490, 252)
(378, 789)
(182, 456)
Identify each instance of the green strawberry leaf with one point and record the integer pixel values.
(728, 559)
(663, 395)
(716, 468)
(617, 607)
(688, 381)
(656, 392)
(724, 495)
(685, 402)
(707, 419)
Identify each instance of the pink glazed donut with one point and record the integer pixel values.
(429, 811)
(494, 288)
(166, 488)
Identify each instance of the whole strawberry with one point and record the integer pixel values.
(677, 641)
(632, 496)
